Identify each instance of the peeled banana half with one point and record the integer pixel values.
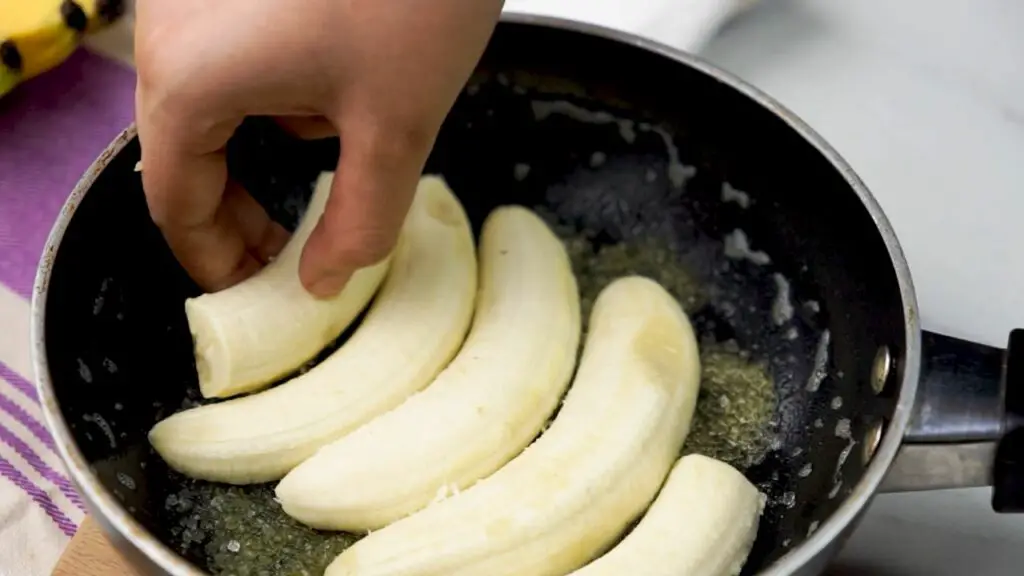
(481, 411)
(262, 328)
(570, 494)
(413, 329)
(37, 35)
(703, 523)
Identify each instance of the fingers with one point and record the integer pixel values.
(184, 194)
(214, 254)
(264, 239)
(197, 80)
(373, 188)
(307, 127)
(218, 232)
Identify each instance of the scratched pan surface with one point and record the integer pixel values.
(610, 138)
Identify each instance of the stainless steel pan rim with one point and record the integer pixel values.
(116, 518)
(110, 512)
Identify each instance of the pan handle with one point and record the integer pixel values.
(967, 427)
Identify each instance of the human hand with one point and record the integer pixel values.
(382, 74)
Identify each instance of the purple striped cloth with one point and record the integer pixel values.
(51, 130)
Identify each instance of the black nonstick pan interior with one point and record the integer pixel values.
(615, 144)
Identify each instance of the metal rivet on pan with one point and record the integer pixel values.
(880, 369)
(872, 440)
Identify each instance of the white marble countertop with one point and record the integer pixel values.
(925, 98)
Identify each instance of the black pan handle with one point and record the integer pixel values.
(1008, 469)
(967, 427)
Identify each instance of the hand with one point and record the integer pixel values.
(382, 74)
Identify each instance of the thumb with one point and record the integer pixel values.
(372, 190)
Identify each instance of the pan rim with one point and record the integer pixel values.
(837, 524)
(97, 497)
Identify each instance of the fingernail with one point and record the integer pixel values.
(328, 286)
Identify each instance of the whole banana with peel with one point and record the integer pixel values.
(37, 35)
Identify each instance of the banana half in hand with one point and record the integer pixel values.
(703, 523)
(413, 329)
(571, 493)
(481, 411)
(268, 325)
(37, 35)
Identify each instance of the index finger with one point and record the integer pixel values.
(184, 176)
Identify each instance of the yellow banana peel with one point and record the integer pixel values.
(37, 35)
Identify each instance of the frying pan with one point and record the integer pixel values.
(113, 352)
